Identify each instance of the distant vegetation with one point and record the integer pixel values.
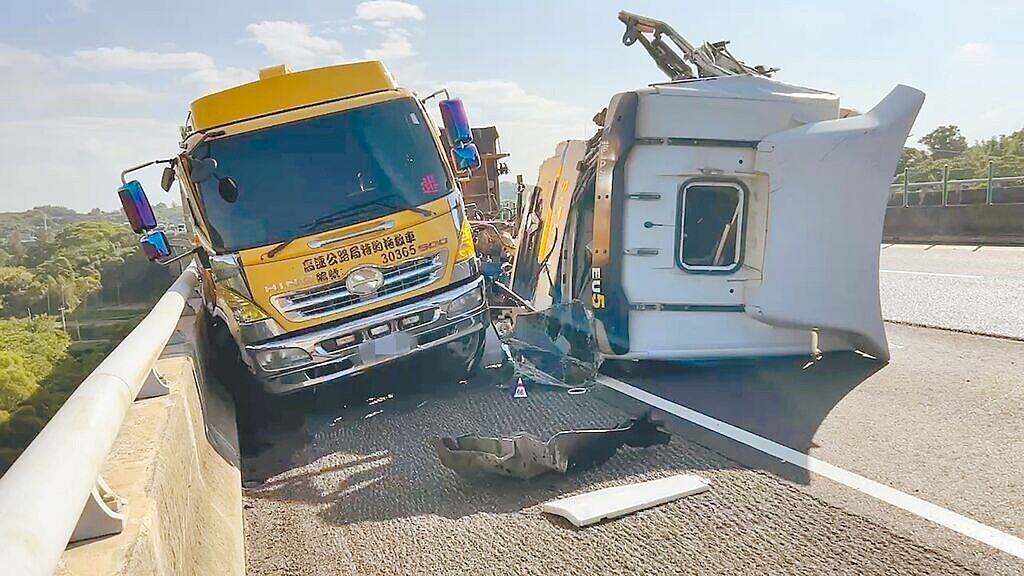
(43, 220)
(947, 146)
(89, 265)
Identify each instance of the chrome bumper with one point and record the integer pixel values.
(433, 328)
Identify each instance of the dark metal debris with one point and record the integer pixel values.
(524, 456)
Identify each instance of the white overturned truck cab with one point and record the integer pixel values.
(720, 217)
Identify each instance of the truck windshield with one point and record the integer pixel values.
(353, 165)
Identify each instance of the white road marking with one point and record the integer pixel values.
(937, 514)
(942, 274)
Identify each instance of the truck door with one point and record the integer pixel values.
(829, 186)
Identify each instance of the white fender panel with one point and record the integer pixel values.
(592, 507)
(829, 185)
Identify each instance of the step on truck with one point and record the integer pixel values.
(720, 214)
(326, 217)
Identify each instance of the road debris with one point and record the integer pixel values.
(592, 507)
(524, 456)
(555, 346)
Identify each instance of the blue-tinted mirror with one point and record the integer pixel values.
(466, 157)
(137, 207)
(456, 123)
(155, 246)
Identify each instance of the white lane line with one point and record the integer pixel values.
(941, 274)
(937, 514)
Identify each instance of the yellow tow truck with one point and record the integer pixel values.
(327, 219)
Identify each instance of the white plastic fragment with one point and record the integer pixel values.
(592, 507)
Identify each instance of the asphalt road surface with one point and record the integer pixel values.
(345, 483)
(357, 490)
(976, 289)
(940, 421)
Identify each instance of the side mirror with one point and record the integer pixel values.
(201, 170)
(228, 189)
(136, 207)
(466, 158)
(167, 178)
(155, 246)
(456, 123)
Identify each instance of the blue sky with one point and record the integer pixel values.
(92, 86)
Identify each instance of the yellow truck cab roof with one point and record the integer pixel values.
(279, 90)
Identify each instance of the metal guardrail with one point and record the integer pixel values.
(989, 184)
(53, 492)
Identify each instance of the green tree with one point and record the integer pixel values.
(39, 341)
(16, 381)
(22, 427)
(945, 142)
(19, 290)
(16, 246)
(910, 158)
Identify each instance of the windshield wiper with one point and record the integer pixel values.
(308, 228)
(402, 205)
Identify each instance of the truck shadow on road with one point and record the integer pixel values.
(356, 457)
(359, 451)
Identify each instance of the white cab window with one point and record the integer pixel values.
(711, 226)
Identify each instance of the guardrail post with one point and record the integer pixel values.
(906, 186)
(153, 387)
(102, 514)
(945, 184)
(988, 186)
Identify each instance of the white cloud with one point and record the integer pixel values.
(974, 50)
(39, 89)
(119, 93)
(395, 45)
(530, 125)
(14, 57)
(81, 5)
(508, 102)
(65, 139)
(75, 161)
(207, 80)
(202, 74)
(293, 43)
(119, 58)
(388, 10)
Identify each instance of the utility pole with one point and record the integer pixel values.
(63, 307)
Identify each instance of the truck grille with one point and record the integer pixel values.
(333, 298)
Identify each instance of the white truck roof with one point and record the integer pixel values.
(744, 107)
(745, 87)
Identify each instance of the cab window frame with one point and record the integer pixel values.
(744, 201)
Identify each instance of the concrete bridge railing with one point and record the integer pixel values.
(54, 494)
